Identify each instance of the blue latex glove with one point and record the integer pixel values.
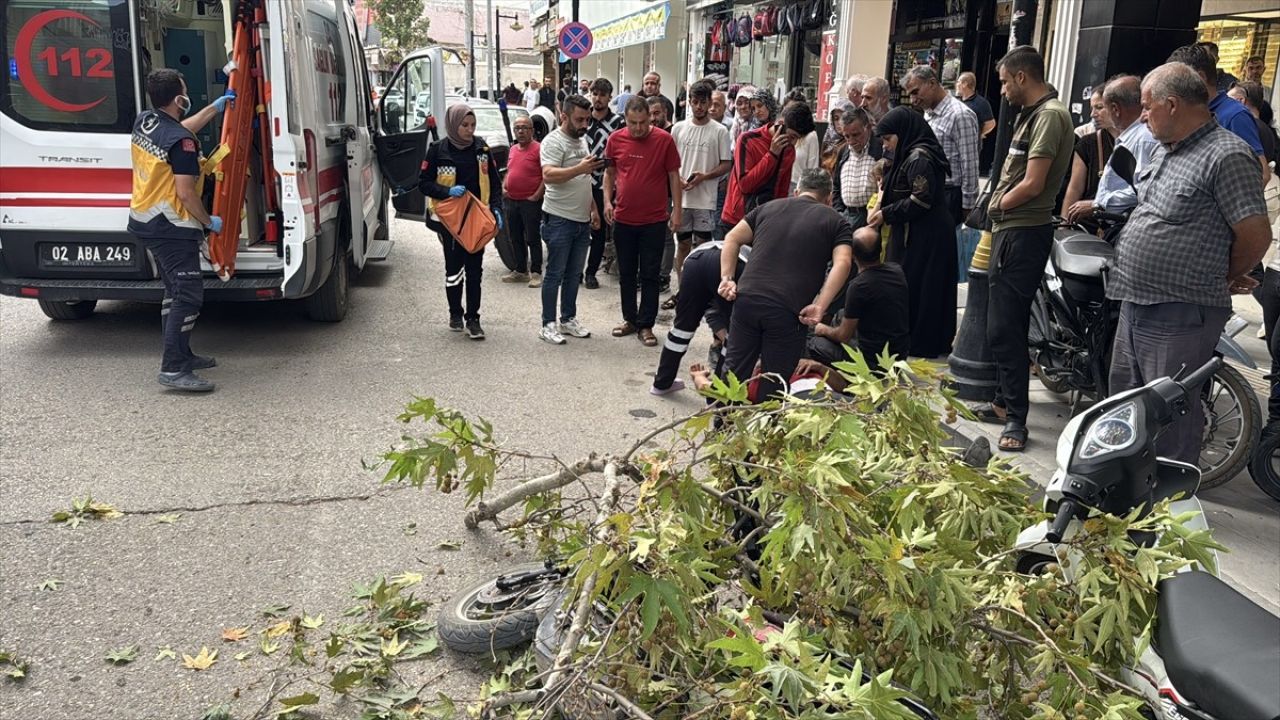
(221, 103)
(457, 191)
(497, 215)
(215, 223)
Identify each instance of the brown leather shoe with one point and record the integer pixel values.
(624, 330)
(647, 338)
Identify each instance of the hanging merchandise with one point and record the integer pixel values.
(816, 14)
(757, 25)
(742, 29)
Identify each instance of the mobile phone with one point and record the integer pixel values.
(689, 179)
(608, 162)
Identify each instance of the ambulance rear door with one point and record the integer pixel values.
(364, 181)
(407, 113)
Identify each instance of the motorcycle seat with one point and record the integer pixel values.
(1082, 255)
(1221, 650)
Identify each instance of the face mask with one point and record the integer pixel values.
(185, 107)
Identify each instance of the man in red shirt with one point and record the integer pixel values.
(522, 192)
(639, 160)
(762, 159)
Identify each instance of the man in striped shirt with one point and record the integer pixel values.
(957, 129)
(604, 121)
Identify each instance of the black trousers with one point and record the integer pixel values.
(699, 283)
(1269, 297)
(955, 202)
(639, 250)
(1017, 266)
(461, 269)
(764, 331)
(598, 237)
(524, 221)
(179, 264)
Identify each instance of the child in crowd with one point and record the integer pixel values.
(878, 171)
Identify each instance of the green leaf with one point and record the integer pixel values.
(450, 545)
(333, 647)
(741, 649)
(217, 712)
(299, 700)
(51, 584)
(312, 623)
(122, 656)
(344, 680)
(166, 653)
(272, 611)
(168, 519)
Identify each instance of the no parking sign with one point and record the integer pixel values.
(575, 40)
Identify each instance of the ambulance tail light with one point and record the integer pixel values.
(29, 292)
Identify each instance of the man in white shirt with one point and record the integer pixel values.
(569, 214)
(705, 156)
(531, 95)
(1123, 98)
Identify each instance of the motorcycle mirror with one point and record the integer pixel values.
(1124, 164)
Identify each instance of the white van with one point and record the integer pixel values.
(67, 106)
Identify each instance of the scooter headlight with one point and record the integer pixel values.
(1111, 432)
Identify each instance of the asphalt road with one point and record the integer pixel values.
(266, 472)
(266, 477)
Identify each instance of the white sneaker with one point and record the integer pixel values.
(551, 334)
(573, 328)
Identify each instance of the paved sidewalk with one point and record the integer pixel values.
(1243, 518)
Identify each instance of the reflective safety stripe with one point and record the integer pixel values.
(190, 318)
(453, 280)
(682, 334)
(188, 328)
(675, 345)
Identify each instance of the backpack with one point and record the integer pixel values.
(757, 25)
(784, 21)
(771, 14)
(795, 18)
(815, 15)
(743, 35)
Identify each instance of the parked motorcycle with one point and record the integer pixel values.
(1073, 327)
(1215, 654)
(1264, 468)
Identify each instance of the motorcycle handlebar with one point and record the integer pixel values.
(1197, 378)
(1066, 512)
(1117, 218)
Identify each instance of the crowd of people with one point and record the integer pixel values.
(790, 245)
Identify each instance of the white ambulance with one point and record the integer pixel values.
(67, 104)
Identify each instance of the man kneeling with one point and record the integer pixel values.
(875, 309)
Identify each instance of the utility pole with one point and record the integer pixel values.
(469, 19)
(489, 25)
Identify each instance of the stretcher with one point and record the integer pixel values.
(247, 76)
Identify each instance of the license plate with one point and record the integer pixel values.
(86, 255)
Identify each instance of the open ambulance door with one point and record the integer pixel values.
(407, 113)
(369, 241)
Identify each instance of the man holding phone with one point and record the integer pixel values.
(705, 156)
(604, 122)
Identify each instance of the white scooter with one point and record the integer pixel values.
(1215, 654)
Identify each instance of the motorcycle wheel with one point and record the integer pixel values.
(1058, 387)
(580, 704)
(1264, 468)
(1033, 563)
(483, 618)
(1232, 422)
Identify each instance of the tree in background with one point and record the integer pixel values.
(404, 26)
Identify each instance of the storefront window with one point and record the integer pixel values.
(1239, 40)
(763, 63)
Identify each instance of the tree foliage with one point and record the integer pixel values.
(403, 23)
(879, 564)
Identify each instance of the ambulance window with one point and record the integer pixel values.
(330, 66)
(406, 104)
(70, 65)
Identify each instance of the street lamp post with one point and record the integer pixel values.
(497, 46)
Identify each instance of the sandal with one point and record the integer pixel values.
(647, 338)
(990, 413)
(670, 303)
(1014, 437)
(624, 330)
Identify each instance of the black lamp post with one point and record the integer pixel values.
(497, 46)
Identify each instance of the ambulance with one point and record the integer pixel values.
(68, 100)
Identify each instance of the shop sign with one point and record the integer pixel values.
(826, 75)
(538, 8)
(638, 27)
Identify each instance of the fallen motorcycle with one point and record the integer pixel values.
(1215, 654)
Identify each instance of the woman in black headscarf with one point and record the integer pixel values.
(922, 235)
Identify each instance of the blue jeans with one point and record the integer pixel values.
(567, 245)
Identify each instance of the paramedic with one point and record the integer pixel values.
(167, 215)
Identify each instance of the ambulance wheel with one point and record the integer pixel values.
(329, 303)
(57, 310)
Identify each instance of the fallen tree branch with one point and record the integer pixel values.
(630, 707)
(488, 510)
(582, 610)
